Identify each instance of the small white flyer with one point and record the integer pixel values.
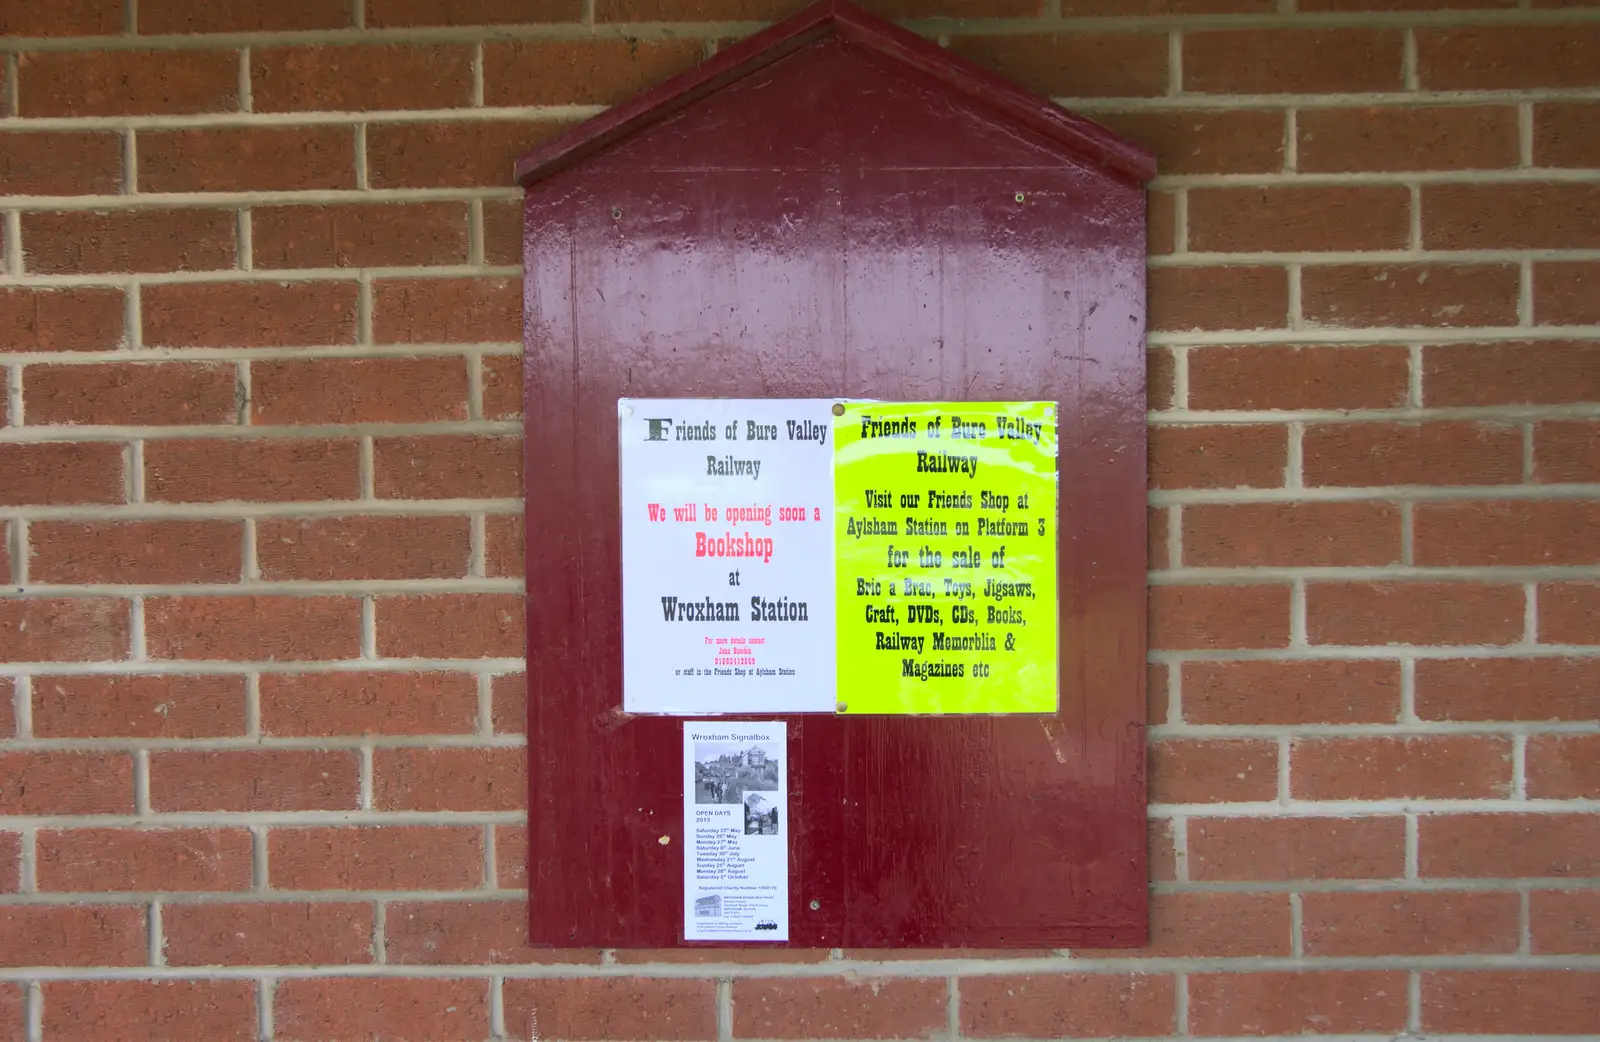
(736, 831)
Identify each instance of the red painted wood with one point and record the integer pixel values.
(840, 220)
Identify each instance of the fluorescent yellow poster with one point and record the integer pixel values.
(945, 557)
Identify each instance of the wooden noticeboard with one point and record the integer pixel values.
(837, 208)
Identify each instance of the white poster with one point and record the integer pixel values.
(727, 547)
(736, 831)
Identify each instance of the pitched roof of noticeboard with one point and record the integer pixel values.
(1071, 132)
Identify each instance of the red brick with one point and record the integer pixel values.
(612, 1008)
(13, 1022)
(467, 933)
(450, 779)
(1507, 57)
(127, 83)
(1079, 65)
(142, 859)
(249, 314)
(1566, 451)
(131, 393)
(1402, 923)
(228, 16)
(1297, 1003)
(1435, 295)
(1196, 770)
(354, 1008)
(1218, 298)
(1508, 689)
(1525, 215)
(359, 390)
(1553, 1002)
(359, 78)
(255, 470)
(60, 163)
(459, 310)
(70, 18)
(1157, 537)
(1564, 922)
(1211, 925)
(511, 856)
(1296, 848)
(1508, 846)
(1564, 767)
(1564, 135)
(135, 551)
(1162, 852)
(1206, 141)
(255, 780)
(1273, 377)
(1218, 456)
(63, 629)
(1445, 767)
(391, 857)
(336, 704)
(358, 235)
(390, 13)
(54, 783)
(1185, 618)
(68, 319)
(1290, 535)
(267, 934)
(502, 236)
(1316, 692)
(247, 159)
(510, 710)
(1370, 454)
(158, 706)
(1415, 613)
(1550, 373)
(1292, 61)
(468, 154)
(1401, 5)
(504, 542)
(838, 1008)
(585, 71)
(63, 935)
(1075, 1005)
(724, 10)
(502, 387)
(323, 549)
(486, 625)
(1161, 223)
(1299, 219)
(1161, 379)
(1507, 532)
(83, 241)
(448, 466)
(1396, 138)
(1569, 613)
(151, 1010)
(772, 10)
(1158, 696)
(253, 629)
(1563, 293)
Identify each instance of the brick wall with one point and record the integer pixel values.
(263, 765)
